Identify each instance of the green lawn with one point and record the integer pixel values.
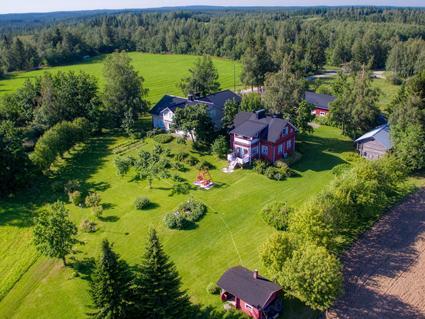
(229, 234)
(161, 72)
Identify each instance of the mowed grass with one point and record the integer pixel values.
(162, 72)
(230, 234)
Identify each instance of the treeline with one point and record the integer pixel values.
(304, 258)
(56, 111)
(314, 36)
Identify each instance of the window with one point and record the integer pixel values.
(285, 131)
(289, 145)
(247, 306)
(322, 113)
(280, 149)
(264, 150)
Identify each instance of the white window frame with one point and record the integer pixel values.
(248, 306)
(289, 144)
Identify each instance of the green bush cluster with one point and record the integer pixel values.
(213, 289)
(204, 165)
(277, 172)
(88, 226)
(277, 214)
(58, 140)
(163, 138)
(190, 211)
(220, 147)
(181, 156)
(303, 259)
(153, 132)
(75, 197)
(191, 160)
(142, 203)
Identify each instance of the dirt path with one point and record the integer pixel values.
(384, 271)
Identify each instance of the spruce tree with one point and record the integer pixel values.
(110, 283)
(157, 292)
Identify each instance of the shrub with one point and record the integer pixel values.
(193, 210)
(277, 214)
(174, 220)
(260, 166)
(213, 289)
(76, 198)
(220, 147)
(97, 211)
(180, 157)
(88, 226)
(191, 160)
(180, 187)
(142, 203)
(283, 168)
(351, 157)
(275, 173)
(92, 200)
(163, 138)
(341, 168)
(72, 186)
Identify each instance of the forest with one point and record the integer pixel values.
(382, 38)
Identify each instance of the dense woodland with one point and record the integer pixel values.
(315, 36)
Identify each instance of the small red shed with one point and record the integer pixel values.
(251, 293)
(320, 102)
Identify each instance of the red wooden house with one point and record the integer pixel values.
(258, 136)
(320, 102)
(251, 293)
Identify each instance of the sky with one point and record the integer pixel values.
(21, 6)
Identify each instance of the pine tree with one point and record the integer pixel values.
(157, 292)
(110, 285)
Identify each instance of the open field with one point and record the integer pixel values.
(161, 72)
(384, 270)
(229, 234)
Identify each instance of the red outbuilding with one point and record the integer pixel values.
(258, 136)
(320, 102)
(251, 293)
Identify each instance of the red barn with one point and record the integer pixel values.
(257, 136)
(320, 102)
(251, 293)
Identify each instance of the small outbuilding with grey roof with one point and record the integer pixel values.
(251, 293)
(376, 143)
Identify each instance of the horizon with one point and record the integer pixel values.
(52, 6)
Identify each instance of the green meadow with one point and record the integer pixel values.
(162, 72)
(230, 234)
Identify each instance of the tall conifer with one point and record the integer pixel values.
(110, 285)
(157, 289)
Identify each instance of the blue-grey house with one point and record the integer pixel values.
(163, 111)
(376, 143)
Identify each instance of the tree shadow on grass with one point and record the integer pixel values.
(81, 164)
(210, 312)
(84, 267)
(109, 219)
(317, 153)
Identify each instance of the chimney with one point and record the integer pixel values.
(255, 274)
(260, 114)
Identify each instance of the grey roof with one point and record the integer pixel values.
(247, 124)
(216, 100)
(241, 283)
(380, 134)
(320, 100)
